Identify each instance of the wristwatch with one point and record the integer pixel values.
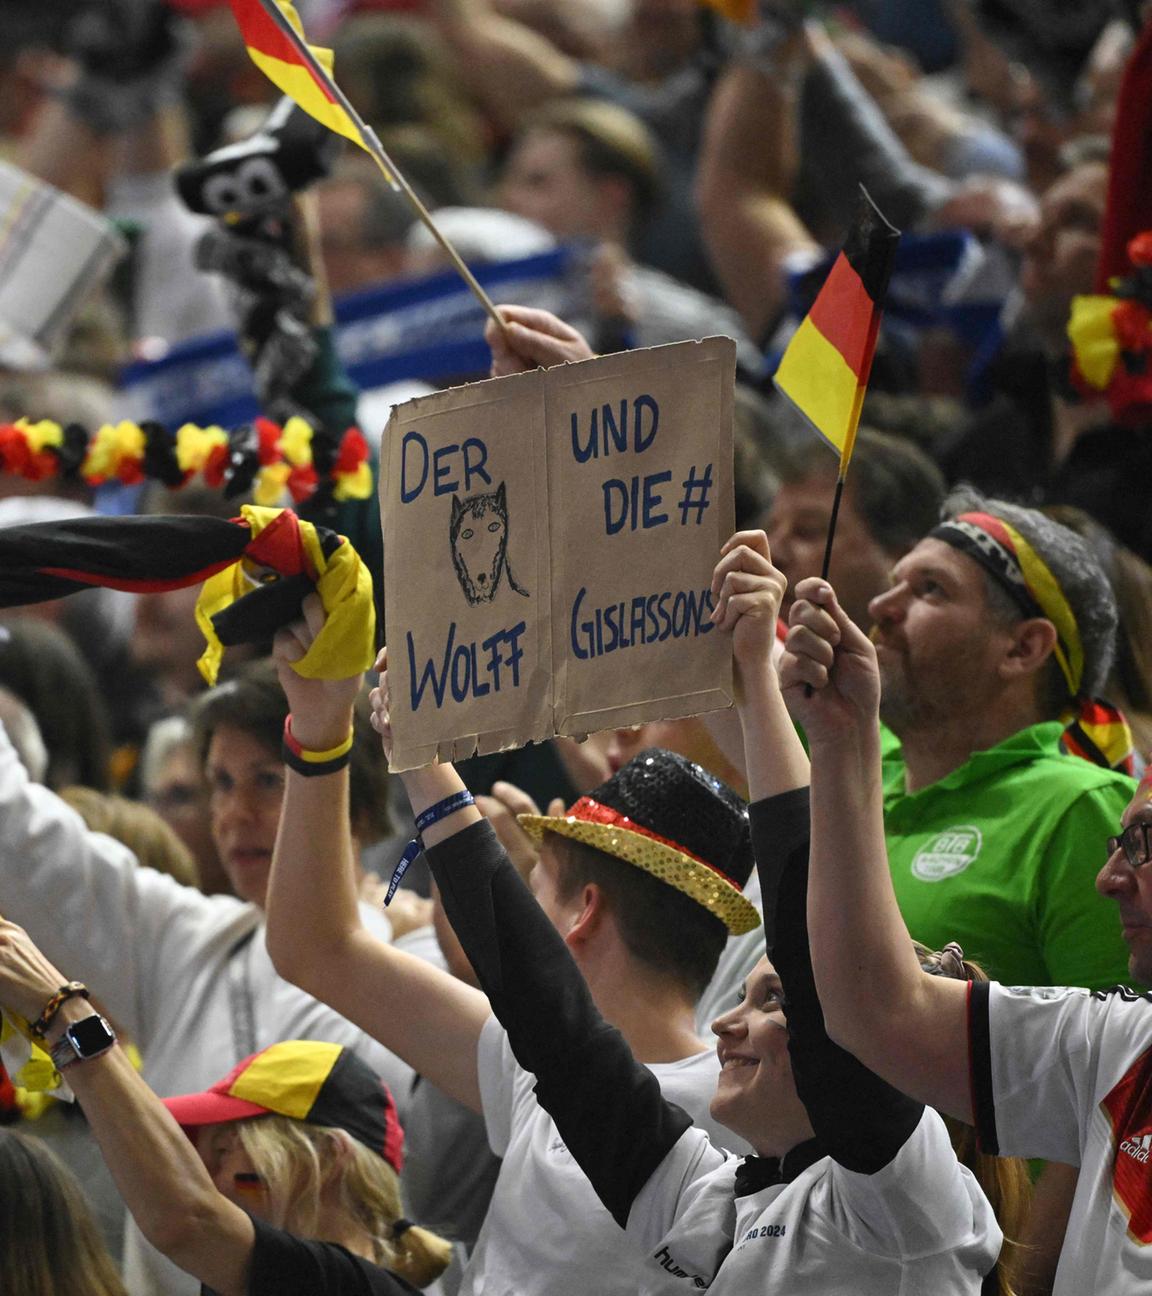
(83, 1040)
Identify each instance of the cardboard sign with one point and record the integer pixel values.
(549, 542)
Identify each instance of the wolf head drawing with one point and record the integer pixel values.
(479, 537)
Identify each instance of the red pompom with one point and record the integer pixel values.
(215, 465)
(1132, 323)
(1130, 397)
(130, 471)
(268, 433)
(15, 454)
(1140, 249)
(352, 453)
(301, 483)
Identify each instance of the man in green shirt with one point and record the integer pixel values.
(996, 625)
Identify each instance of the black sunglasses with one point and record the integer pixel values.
(1135, 842)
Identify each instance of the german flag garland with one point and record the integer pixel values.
(261, 457)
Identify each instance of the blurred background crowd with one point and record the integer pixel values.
(649, 170)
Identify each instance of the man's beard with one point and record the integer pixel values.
(905, 706)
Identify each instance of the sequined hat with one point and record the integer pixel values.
(673, 819)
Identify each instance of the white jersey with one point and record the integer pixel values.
(1065, 1074)
(920, 1225)
(546, 1232)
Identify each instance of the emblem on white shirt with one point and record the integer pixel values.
(948, 853)
(1128, 1106)
(1137, 1148)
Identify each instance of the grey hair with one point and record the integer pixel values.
(24, 734)
(164, 737)
(1077, 570)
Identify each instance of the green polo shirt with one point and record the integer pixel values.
(1002, 855)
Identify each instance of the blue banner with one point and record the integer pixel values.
(948, 280)
(430, 328)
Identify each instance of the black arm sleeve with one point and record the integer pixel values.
(861, 1121)
(608, 1108)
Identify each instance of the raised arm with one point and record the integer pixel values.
(859, 1119)
(745, 180)
(315, 935)
(511, 68)
(747, 591)
(907, 1026)
(541, 999)
(165, 1185)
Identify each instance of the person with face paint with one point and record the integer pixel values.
(854, 1187)
(281, 1179)
(1059, 1073)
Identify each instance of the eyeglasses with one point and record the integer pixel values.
(1136, 842)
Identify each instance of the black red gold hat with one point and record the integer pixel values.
(308, 1080)
(673, 819)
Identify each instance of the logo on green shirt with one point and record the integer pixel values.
(948, 853)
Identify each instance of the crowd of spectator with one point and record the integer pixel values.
(903, 882)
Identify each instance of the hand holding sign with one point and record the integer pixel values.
(380, 699)
(747, 591)
(532, 339)
(549, 540)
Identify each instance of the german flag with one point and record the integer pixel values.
(256, 571)
(274, 37)
(824, 371)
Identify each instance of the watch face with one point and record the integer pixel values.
(91, 1036)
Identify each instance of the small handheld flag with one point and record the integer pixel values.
(274, 37)
(824, 372)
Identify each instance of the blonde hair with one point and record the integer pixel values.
(1005, 1180)
(140, 828)
(47, 1234)
(294, 1159)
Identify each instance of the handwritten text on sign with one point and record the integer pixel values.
(536, 527)
(636, 502)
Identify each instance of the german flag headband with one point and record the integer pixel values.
(598, 825)
(1094, 728)
(1019, 570)
(256, 571)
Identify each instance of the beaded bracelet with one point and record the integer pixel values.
(424, 820)
(313, 763)
(39, 1027)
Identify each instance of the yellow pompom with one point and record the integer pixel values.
(354, 486)
(42, 434)
(269, 485)
(296, 442)
(100, 461)
(1093, 338)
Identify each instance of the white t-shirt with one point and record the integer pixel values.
(1064, 1074)
(919, 1225)
(546, 1233)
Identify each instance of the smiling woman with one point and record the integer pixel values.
(755, 1092)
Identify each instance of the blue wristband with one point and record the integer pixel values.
(424, 820)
